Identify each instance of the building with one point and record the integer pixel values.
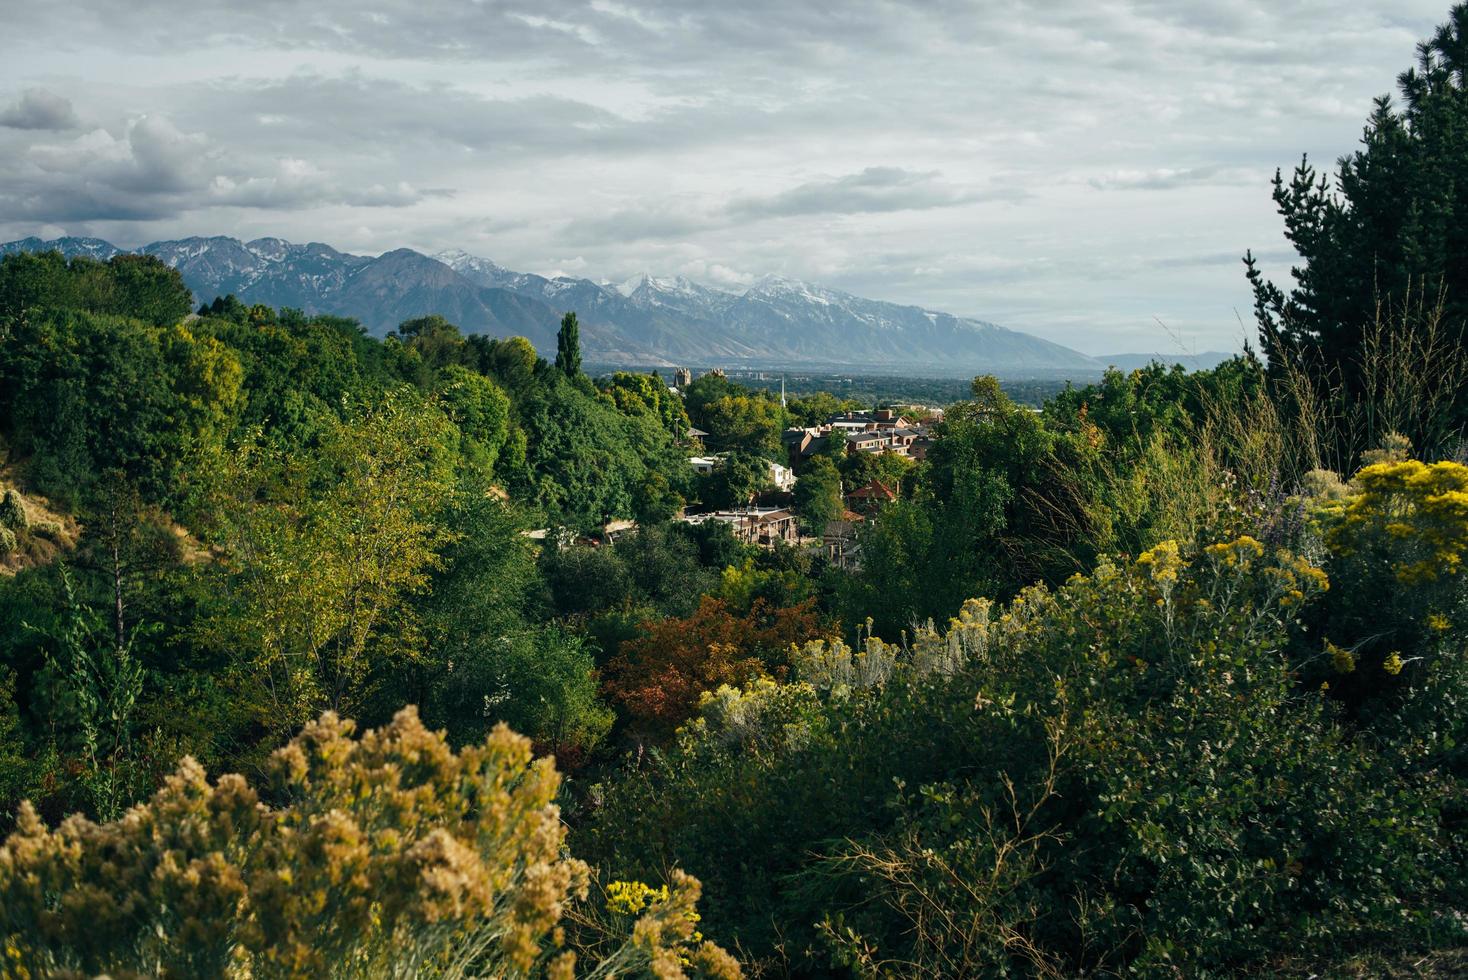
(780, 477)
(704, 465)
(840, 544)
(882, 418)
(871, 498)
(762, 526)
(682, 378)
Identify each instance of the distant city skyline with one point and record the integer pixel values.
(1087, 173)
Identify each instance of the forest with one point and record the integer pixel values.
(319, 655)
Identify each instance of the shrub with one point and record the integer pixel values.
(12, 512)
(1119, 775)
(388, 855)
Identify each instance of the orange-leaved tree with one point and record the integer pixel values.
(657, 677)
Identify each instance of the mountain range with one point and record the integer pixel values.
(645, 321)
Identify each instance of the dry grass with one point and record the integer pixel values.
(50, 533)
(1409, 374)
(1436, 965)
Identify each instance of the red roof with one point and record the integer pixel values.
(876, 490)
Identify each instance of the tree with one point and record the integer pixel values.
(818, 495)
(736, 480)
(82, 393)
(136, 286)
(657, 677)
(646, 393)
(481, 410)
(1382, 243)
(568, 346)
(751, 423)
(321, 552)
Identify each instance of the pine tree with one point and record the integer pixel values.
(1382, 238)
(568, 346)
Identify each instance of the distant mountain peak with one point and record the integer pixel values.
(778, 321)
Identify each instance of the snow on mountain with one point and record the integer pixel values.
(644, 320)
(93, 248)
(473, 267)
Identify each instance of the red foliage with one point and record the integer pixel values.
(657, 677)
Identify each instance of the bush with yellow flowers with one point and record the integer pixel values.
(1391, 635)
(386, 855)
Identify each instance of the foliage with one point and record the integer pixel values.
(1000, 502)
(101, 680)
(138, 286)
(318, 558)
(737, 479)
(1381, 247)
(647, 393)
(82, 393)
(388, 855)
(657, 677)
(1118, 776)
(585, 461)
(568, 346)
(742, 422)
(12, 511)
(818, 406)
(481, 411)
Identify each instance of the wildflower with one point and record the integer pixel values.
(1393, 663)
(631, 897)
(1344, 661)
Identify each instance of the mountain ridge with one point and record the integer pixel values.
(646, 320)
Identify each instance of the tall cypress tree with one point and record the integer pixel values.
(568, 346)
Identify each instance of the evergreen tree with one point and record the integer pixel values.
(568, 346)
(1384, 241)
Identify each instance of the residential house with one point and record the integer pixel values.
(780, 476)
(840, 544)
(762, 526)
(871, 498)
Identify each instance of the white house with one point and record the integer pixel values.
(782, 477)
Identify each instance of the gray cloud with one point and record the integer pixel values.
(36, 108)
(153, 170)
(1166, 179)
(873, 190)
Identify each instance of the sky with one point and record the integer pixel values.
(1090, 171)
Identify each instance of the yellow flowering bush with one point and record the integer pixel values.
(1420, 507)
(385, 855)
(1397, 545)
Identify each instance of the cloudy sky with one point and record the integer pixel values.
(1086, 170)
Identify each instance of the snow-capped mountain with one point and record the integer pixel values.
(645, 320)
(474, 268)
(94, 248)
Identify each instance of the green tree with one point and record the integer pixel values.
(322, 552)
(480, 409)
(1379, 244)
(568, 346)
(751, 423)
(735, 482)
(818, 495)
